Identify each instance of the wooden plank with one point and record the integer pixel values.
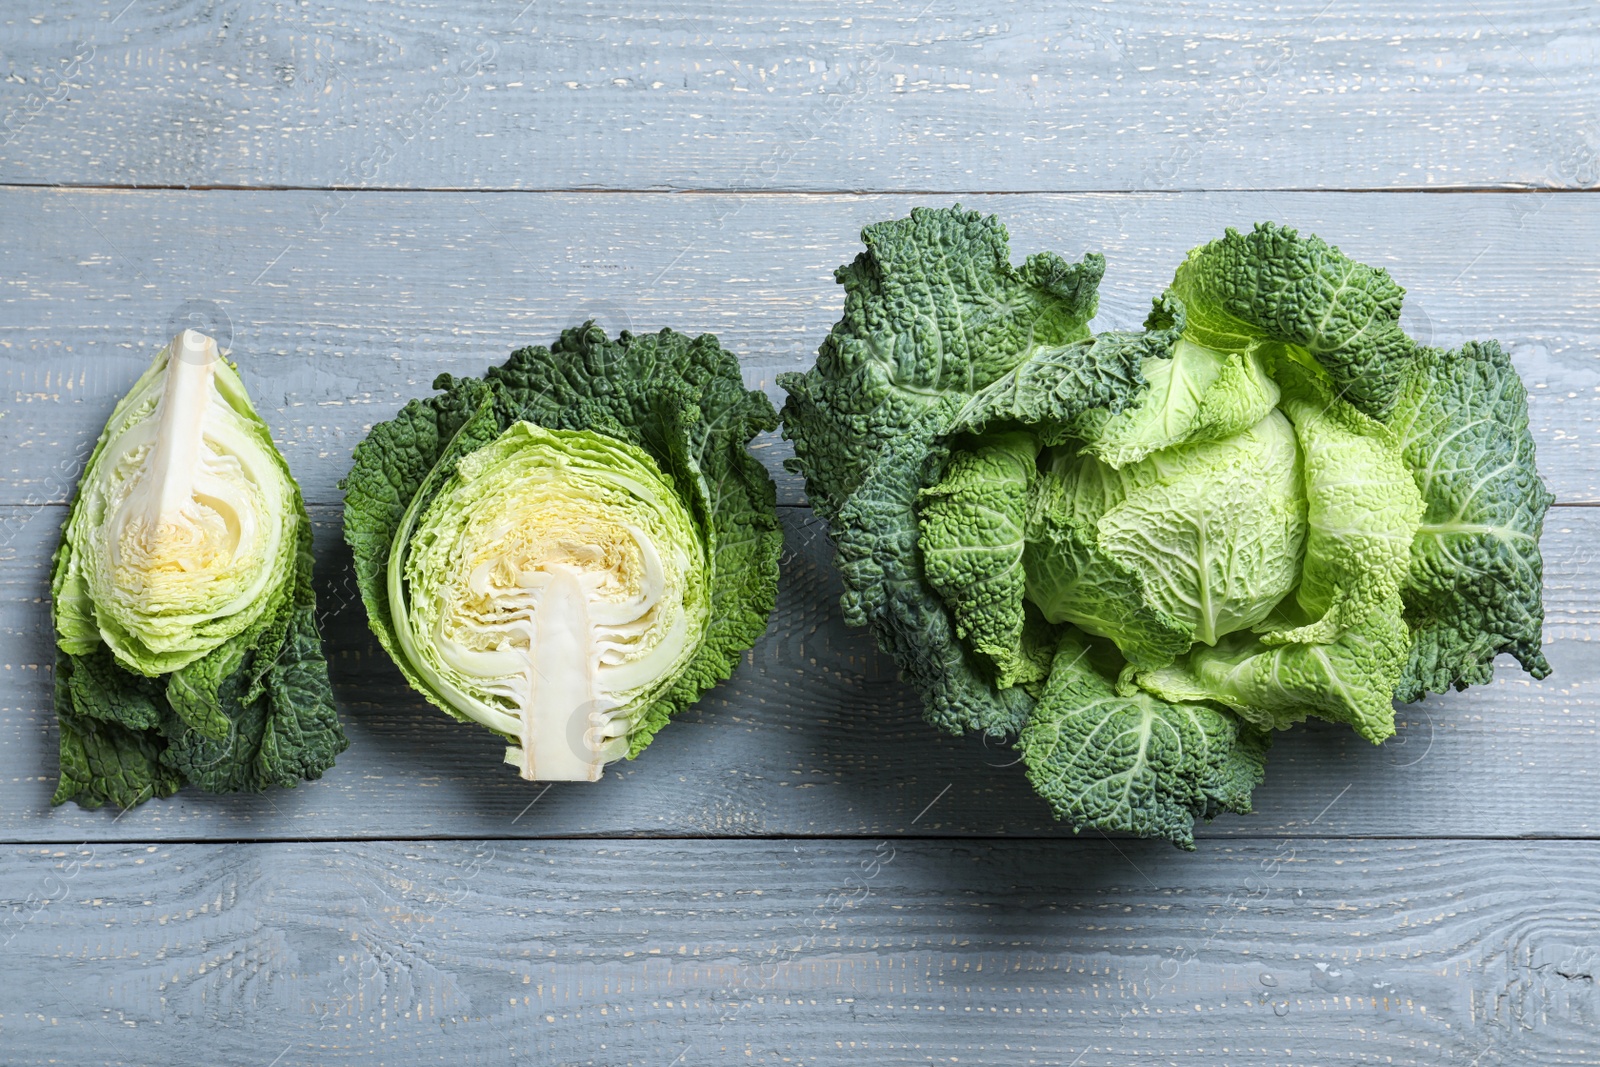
(1254, 954)
(910, 95)
(340, 310)
(815, 735)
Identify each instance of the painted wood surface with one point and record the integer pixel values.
(1264, 954)
(906, 95)
(340, 307)
(799, 870)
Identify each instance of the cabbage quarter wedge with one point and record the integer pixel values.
(186, 636)
(574, 547)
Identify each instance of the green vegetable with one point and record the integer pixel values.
(1140, 552)
(574, 547)
(186, 636)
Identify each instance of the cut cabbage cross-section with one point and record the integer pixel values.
(554, 585)
(185, 619)
(574, 547)
(187, 526)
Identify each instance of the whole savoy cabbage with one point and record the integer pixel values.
(1140, 552)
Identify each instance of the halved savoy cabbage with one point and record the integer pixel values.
(574, 547)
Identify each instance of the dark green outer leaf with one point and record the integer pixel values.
(971, 529)
(1135, 762)
(881, 566)
(279, 706)
(1475, 584)
(1273, 284)
(391, 464)
(1045, 392)
(933, 309)
(934, 313)
(876, 533)
(110, 747)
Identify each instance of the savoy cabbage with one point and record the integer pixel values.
(572, 548)
(187, 649)
(1140, 552)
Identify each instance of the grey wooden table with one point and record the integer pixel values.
(360, 195)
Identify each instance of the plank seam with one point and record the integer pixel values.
(1203, 841)
(579, 190)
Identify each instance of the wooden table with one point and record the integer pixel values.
(360, 196)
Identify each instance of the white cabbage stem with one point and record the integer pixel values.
(164, 525)
(567, 707)
(191, 369)
(555, 717)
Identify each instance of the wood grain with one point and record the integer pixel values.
(815, 736)
(908, 95)
(338, 316)
(799, 870)
(1263, 954)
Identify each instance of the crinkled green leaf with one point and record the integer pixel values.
(1186, 544)
(413, 453)
(1044, 393)
(281, 724)
(1362, 510)
(1349, 680)
(1135, 763)
(876, 534)
(971, 535)
(884, 587)
(940, 334)
(1272, 285)
(1071, 580)
(104, 762)
(96, 688)
(391, 464)
(1194, 394)
(934, 311)
(1473, 589)
(1213, 530)
(110, 743)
